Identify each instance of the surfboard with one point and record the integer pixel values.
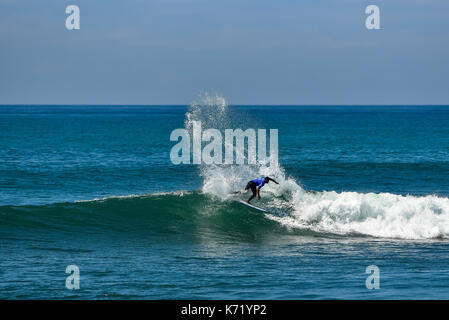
(251, 206)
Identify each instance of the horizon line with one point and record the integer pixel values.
(237, 105)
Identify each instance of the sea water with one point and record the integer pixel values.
(94, 187)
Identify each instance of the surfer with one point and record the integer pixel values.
(255, 186)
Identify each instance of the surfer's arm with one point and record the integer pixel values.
(273, 180)
(258, 193)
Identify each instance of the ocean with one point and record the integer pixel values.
(94, 187)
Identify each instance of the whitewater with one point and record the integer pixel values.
(381, 215)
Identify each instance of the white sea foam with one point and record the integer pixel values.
(382, 215)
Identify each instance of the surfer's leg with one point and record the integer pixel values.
(253, 189)
(248, 186)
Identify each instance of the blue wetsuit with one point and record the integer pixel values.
(253, 185)
(259, 182)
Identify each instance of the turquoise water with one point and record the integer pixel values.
(93, 186)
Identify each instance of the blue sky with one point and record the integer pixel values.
(252, 52)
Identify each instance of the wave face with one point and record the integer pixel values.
(191, 215)
(196, 215)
